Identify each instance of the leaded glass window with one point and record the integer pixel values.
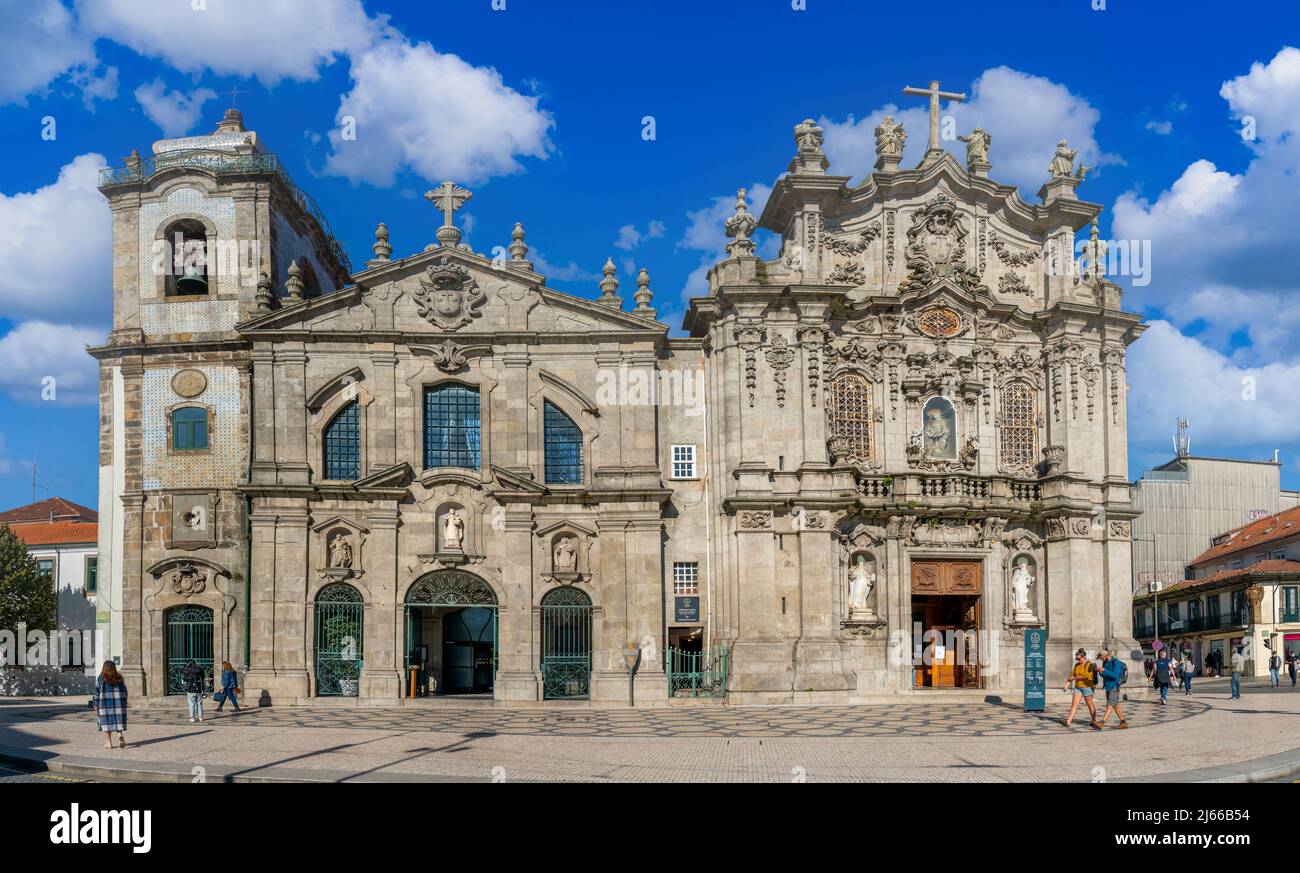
(850, 414)
(342, 439)
(451, 427)
(563, 447)
(1017, 427)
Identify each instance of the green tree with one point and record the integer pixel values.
(25, 596)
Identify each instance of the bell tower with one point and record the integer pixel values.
(208, 231)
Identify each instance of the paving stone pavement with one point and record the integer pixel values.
(914, 741)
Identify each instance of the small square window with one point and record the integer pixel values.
(683, 458)
(45, 569)
(190, 428)
(686, 577)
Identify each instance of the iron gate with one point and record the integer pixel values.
(566, 645)
(188, 637)
(697, 674)
(340, 631)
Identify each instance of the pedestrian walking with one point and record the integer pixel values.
(1274, 671)
(1291, 666)
(229, 687)
(1209, 664)
(110, 704)
(1113, 674)
(1082, 681)
(1238, 667)
(1188, 670)
(1163, 676)
(194, 689)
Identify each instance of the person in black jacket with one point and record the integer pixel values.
(194, 688)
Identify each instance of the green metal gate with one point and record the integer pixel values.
(566, 645)
(697, 674)
(188, 636)
(340, 631)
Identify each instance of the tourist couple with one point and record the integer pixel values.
(196, 688)
(1083, 681)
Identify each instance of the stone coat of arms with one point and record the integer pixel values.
(448, 296)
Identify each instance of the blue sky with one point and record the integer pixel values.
(538, 109)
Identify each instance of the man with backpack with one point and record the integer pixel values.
(1083, 678)
(1163, 675)
(1114, 673)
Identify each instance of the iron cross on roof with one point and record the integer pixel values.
(934, 94)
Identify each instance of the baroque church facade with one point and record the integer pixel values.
(869, 465)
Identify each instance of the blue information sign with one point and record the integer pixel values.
(1035, 670)
(686, 609)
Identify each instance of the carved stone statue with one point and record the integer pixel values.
(566, 556)
(1062, 166)
(453, 531)
(861, 583)
(340, 552)
(970, 452)
(1022, 582)
(890, 138)
(977, 146)
(808, 136)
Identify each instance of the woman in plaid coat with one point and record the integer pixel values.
(110, 704)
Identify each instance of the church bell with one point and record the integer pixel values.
(193, 281)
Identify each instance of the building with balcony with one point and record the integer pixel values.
(1242, 591)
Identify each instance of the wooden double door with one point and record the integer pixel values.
(946, 622)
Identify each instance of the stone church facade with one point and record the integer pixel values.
(870, 464)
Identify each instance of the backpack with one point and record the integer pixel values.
(1123, 673)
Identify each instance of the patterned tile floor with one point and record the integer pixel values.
(975, 719)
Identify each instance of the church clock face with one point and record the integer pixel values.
(939, 322)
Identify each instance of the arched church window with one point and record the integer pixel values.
(342, 442)
(189, 428)
(850, 414)
(451, 427)
(1017, 426)
(562, 441)
(187, 271)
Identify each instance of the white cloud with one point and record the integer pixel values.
(37, 351)
(40, 42)
(175, 112)
(253, 38)
(1026, 116)
(1161, 128)
(466, 125)
(569, 272)
(1232, 409)
(629, 237)
(56, 245)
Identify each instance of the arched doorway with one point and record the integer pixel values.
(340, 635)
(188, 637)
(566, 645)
(451, 634)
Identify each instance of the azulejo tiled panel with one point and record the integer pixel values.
(221, 466)
(220, 210)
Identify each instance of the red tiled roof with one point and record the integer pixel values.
(62, 510)
(1259, 568)
(57, 534)
(1253, 535)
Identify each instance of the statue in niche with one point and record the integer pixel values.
(861, 583)
(1022, 583)
(566, 556)
(938, 431)
(340, 552)
(453, 531)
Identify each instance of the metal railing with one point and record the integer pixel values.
(697, 674)
(1229, 619)
(224, 163)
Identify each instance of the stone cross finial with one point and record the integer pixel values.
(739, 226)
(448, 197)
(609, 286)
(381, 247)
(293, 285)
(643, 294)
(935, 96)
(518, 248)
